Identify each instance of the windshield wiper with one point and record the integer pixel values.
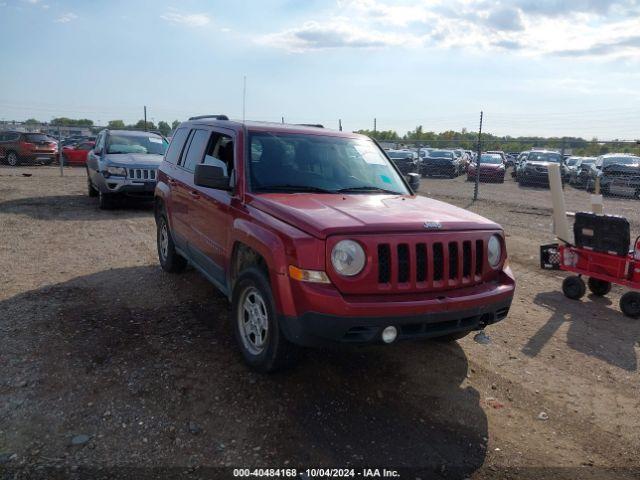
(294, 188)
(367, 189)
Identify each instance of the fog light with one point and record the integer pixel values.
(389, 334)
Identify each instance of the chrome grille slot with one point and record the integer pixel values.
(142, 174)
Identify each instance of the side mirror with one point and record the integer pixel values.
(210, 176)
(414, 181)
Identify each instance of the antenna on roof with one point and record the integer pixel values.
(244, 96)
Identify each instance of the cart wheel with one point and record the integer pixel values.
(574, 288)
(599, 287)
(630, 304)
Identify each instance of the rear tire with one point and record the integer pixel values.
(630, 304)
(170, 260)
(574, 288)
(599, 287)
(257, 329)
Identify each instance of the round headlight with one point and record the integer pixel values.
(348, 258)
(494, 251)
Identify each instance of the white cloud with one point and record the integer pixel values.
(66, 18)
(336, 33)
(576, 28)
(188, 19)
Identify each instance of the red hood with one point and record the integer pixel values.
(322, 215)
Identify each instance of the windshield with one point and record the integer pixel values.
(123, 143)
(572, 161)
(323, 164)
(441, 154)
(545, 157)
(494, 159)
(620, 161)
(396, 154)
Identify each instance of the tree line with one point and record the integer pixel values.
(163, 127)
(469, 141)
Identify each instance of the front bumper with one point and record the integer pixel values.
(127, 186)
(330, 318)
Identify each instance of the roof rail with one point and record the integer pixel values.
(316, 125)
(216, 117)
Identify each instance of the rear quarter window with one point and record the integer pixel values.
(176, 145)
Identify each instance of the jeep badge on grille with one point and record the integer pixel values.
(432, 225)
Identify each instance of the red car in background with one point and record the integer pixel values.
(492, 168)
(77, 154)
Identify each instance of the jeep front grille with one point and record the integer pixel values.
(446, 264)
(148, 174)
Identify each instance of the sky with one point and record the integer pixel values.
(535, 67)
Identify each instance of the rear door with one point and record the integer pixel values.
(171, 174)
(182, 191)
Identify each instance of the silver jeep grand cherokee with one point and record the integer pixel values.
(124, 163)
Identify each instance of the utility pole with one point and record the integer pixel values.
(475, 191)
(375, 126)
(145, 118)
(283, 120)
(340, 124)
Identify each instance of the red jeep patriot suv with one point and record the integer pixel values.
(316, 238)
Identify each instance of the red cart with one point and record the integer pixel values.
(603, 269)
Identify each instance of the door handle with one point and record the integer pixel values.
(173, 183)
(194, 194)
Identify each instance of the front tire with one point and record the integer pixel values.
(599, 287)
(630, 304)
(257, 329)
(12, 159)
(105, 201)
(170, 260)
(91, 190)
(574, 288)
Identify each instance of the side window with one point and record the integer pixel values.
(176, 145)
(197, 147)
(84, 146)
(220, 153)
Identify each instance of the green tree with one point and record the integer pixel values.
(164, 128)
(115, 124)
(72, 122)
(32, 121)
(175, 124)
(141, 125)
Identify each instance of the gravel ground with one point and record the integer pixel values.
(111, 365)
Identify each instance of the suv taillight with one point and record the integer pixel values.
(27, 145)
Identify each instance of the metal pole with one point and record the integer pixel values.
(477, 186)
(375, 126)
(145, 118)
(283, 120)
(60, 157)
(340, 124)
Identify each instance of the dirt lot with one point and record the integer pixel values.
(97, 341)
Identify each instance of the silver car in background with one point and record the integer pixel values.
(124, 163)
